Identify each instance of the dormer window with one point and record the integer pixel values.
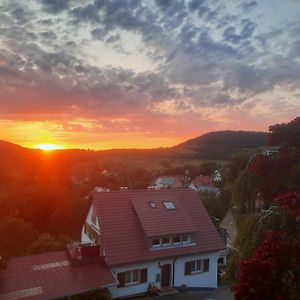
(169, 205)
(166, 241)
(176, 239)
(185, 239)
(156, 242)
(172, 241)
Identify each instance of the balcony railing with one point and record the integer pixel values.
(80, 254)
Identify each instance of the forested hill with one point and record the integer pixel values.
(213, 145)
(222, 144)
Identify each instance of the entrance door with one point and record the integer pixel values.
(165, 275)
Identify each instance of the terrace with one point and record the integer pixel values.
(82, 254)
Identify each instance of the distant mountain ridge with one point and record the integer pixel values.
(222, 144)
(213, 145)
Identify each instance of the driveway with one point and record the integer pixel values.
(221, 293)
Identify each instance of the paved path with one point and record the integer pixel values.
(221, 293)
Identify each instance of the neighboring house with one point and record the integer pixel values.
(203, 184)
(100, 189)
(159, 238)
(168, 182)
(229, 227)
(269, 151)
(228, 231)
(130, 240)
(216, 176)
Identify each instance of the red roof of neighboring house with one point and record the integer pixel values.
(121, 231)
(203, 180)
(50, 275)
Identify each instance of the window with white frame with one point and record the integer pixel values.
(166, 241)
(94, 218)
(176, 239)
(132, 277)
(185, 238)
(196, 266)
(156, 242)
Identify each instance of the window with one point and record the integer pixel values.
(97, 239)
(196, 266)
(88, 230)
(166, 241)
(221, 261)
(132, 277)
(152, 204)
(185, 239)
(169, 205)
(176, 239)
(156, 242)
(94, 219)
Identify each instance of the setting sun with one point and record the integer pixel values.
(48, 147)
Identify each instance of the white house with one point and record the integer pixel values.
(161, 238)
(130, 240)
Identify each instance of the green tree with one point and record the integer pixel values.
(213, 204)
(15, 235)
(48, 242)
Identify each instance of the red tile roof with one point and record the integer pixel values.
(203, 180)
(121, 231)
(172, 221)
(50, 275)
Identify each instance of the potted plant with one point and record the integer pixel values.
(152, 289)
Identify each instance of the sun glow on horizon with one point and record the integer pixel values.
(48, 147)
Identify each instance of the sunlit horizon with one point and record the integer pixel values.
(48, 147)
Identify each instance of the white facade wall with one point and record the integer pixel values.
(84, 237)
(198, 280)
(153, 270)
(204, 279)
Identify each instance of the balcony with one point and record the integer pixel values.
(82, 254)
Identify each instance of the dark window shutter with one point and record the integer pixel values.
(144, 275)
(121, 279)
(206, 265)
(187, 268)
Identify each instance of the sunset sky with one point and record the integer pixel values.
(121, 74)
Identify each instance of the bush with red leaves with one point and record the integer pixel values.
(290, 202)
(273, 272)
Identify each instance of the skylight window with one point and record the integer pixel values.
(152, 204)
(169, 205)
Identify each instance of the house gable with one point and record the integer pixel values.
(229, 225)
